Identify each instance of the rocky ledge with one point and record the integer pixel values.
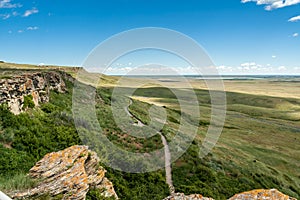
(71, 173)
(272, 194)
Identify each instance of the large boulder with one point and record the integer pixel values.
(71, 173)
(261, 194)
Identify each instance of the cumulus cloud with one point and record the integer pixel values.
(5, 16)
(30, 12)
(295, 34)
(9, 4)
(32, 28)
(148, 69)
(294, 19)
(273, 4)
(253, 68)
(250, 65)
(282, 68)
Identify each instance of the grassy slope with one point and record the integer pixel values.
(51, 128)
(259, 147)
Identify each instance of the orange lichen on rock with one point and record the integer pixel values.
(261, 194)
(180, 196)
(70, 172)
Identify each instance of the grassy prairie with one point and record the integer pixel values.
(260, 142)
(12, 69)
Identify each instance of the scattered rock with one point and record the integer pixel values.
(71, 173)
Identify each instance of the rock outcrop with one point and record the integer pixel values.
(272, 194)
(180, 196)
(13, 90)
(261, 194)
(71, 173)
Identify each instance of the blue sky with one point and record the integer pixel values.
(241, 37)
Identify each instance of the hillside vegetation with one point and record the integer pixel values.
(259, 146)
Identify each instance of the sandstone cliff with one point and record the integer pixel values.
(71, 173)
(14, 89)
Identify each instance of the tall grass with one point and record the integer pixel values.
(17, 182)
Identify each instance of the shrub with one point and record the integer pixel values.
(28, 102)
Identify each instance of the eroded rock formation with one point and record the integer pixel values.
(71, 172)
(13, 90)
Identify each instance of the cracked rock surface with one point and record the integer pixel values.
(71, 172)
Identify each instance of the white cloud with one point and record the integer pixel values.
(248, 64)
(274, 56)
(8, 4)
(5, 16)
(30, 12)
(295, 34)
(20, 31)
(32, 28)
(294, 19)
(282, 68)
(253, 68)
(273, 4)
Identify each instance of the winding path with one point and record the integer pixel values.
(168, 168)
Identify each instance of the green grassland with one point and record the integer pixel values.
(8, 70)
(258, 148)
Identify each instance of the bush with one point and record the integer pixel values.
(28, 102)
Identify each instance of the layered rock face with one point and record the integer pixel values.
(14, 89)
(71, 173)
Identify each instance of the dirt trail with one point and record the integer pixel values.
(166, 148)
